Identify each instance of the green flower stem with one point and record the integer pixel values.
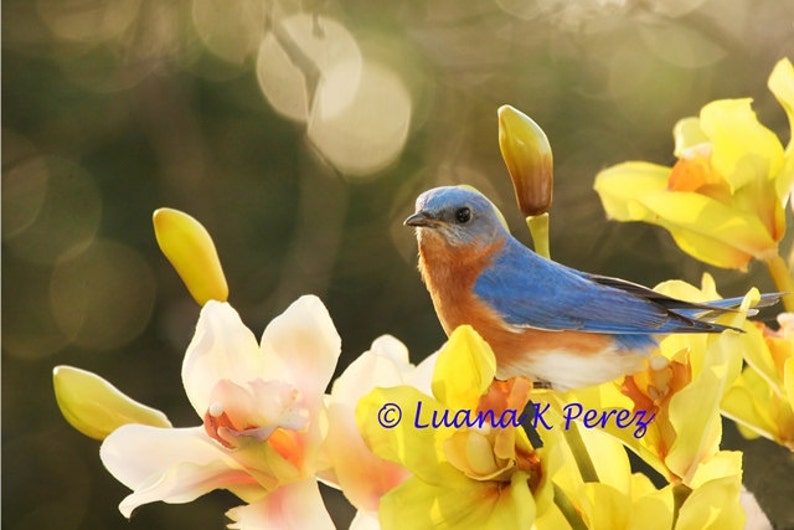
(783, 280)
(680, 495)
(568, 510)
(539, 228)
(580, 454)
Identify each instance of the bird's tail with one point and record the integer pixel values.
(715, 308)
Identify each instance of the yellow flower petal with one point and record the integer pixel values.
(747, 402)
(697, 174)
(461, 504)
(707, 229)
(745, 431)
(609, 458)
(781, 83)
(464, 370)
(527, 155)
(714, 505)
(757, 354)
(743, 150)
(699, 429)
(686, 291)
(619, 185)
(603, 506)
(472, 453)
(650, 509)
(722, 464)
(418, 449)
(788, 380)
(95, 407)
(189, 248)
(688, 135)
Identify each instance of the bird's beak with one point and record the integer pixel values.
(420, 219)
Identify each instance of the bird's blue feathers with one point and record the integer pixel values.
(528, 290)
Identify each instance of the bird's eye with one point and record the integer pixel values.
(463, 215)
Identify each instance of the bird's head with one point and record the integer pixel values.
(461, 215)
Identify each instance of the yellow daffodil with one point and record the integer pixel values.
(761, 401)
(688, 369)
(679, 440)
(723, 201)
(472, 466)
(619, 500)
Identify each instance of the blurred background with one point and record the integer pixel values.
(299, 134)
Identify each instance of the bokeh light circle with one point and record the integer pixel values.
(230, 30)
(53, 205)
(300, 57)
(88, 21)
(102, 297)
(372, 130)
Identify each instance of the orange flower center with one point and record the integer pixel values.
(696, 174)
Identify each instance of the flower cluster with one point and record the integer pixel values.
(443, 444)
(723, 201)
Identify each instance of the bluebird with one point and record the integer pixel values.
(543, 320)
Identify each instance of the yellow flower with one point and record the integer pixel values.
(688, 368)
(622, 500)
(472, 466)
(618, 500)
(723, 200)
(681, 440)
(761, 401)
(95, 407)
(190, 249)
(527, 155)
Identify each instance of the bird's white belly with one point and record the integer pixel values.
(566, 370)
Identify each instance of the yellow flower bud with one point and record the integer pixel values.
(189, 248)
(95, 407)
(527, 154)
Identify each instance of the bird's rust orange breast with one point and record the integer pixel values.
(450, 273)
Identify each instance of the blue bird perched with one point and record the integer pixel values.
(542, 319)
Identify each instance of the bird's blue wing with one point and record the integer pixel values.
(530, 291)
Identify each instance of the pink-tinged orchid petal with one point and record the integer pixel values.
(254, 411)
(301, 347)
(171, 465)
(384, 364)
(422, 377)
(363, 476)
(293, 507)
(222, 348)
